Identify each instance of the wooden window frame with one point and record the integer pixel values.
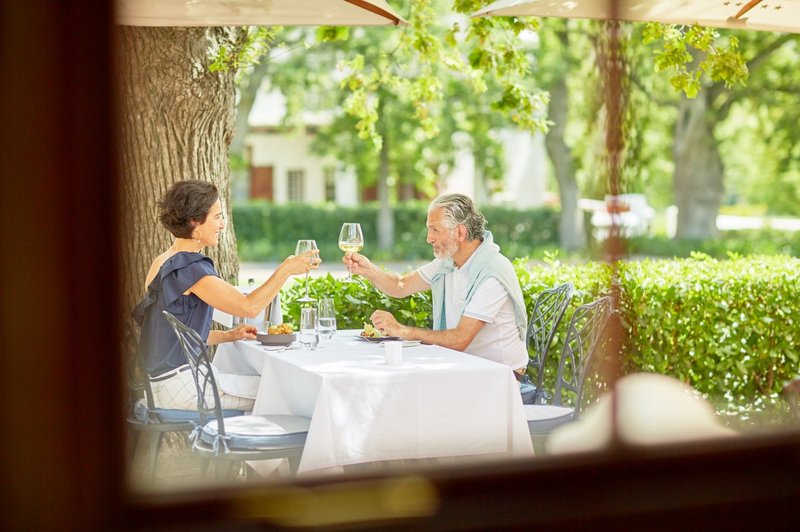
(61, 375)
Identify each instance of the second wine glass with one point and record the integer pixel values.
(351, 240)
(302, 247)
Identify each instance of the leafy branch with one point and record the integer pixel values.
(721, 63)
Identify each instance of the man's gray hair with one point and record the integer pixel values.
(459, 209)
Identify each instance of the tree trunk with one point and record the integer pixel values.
(572, 232)
(247, 92)
(481, 194)
(176, 121)
(698, 169)
(385, 214)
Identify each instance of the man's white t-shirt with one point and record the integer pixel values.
(499, 339)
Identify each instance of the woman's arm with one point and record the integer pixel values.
(242, 332)
(227, 298)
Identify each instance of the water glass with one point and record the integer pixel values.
(327, 318)
(309, 328)
(393, 352)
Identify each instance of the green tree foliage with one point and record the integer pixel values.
(414, 97)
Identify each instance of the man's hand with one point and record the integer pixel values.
(386, 322)
(356, 263)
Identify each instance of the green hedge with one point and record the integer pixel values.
(269, 232)
(729, 328)
(746, 242)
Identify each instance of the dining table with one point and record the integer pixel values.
(437, 403)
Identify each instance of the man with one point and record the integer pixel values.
(477, 301)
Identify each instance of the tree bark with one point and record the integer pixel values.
(385, 214)
(176, 122)
(572, 233)
(698, 177)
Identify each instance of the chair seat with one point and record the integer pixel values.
(173, 415)
(543, 419)
(259, 432)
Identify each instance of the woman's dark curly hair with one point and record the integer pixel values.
(186, 202)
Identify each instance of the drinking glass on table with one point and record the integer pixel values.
(302, 247)
(351, 240)
(327, 318)
(309, 328)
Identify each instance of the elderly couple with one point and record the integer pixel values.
(477, 301)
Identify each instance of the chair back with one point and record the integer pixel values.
(584, 335)
(549, 308)
(209, 405)
(138, 381)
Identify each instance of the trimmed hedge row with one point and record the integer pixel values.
(748, 242)
(729, 328)
(269, 232)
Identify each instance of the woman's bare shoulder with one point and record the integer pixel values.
(157, 263)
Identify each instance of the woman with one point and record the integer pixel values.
(184, 282)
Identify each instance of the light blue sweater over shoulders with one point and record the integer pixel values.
(486, 262)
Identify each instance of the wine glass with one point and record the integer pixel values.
(302, 247)
(351, 240)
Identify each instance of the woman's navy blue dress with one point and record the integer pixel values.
(158, 342)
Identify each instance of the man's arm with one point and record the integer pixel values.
(389, 283)
(458, 338)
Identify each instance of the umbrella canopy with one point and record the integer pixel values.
(768, 15)
(257, 13)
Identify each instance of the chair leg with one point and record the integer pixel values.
(155, 447)
(539, 446)
(293, 460)
(133, 444)
(223, 469)
(204, 467)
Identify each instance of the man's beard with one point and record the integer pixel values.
(450, 248)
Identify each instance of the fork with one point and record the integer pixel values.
(280, 350)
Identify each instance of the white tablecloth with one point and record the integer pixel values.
(438, 403)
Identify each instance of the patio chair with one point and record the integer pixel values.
(549, 308)
(143, 416)
(584, 335)
(240, 438)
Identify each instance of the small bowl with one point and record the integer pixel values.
(276, 339)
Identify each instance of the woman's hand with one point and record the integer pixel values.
(303, 263)
(242, 332)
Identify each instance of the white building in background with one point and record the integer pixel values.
(283, 169)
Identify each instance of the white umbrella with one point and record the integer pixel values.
(257, 13)
(768, 15)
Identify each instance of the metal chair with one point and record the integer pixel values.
(549, 308)
(241, 438)
(584, 335)
(143, 416)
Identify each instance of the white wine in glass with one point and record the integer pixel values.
(302, 247)
(351, 240)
